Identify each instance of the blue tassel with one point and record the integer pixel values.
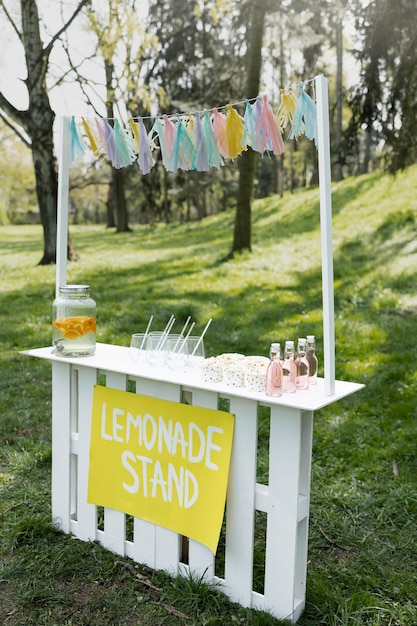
(305, 117)
(77, 147)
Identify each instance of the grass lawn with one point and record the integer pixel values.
(362, 566)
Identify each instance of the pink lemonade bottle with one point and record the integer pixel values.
(303, 369)
(273, 384)
(312, 359)
(289, 369)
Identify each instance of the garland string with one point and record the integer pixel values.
(199, 140)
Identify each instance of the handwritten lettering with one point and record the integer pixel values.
(175, 483)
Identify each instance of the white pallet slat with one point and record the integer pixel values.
(61, 445)
(86, 518)
(300, 580)
(240, 504)
(114, 535)
(286, 560)
(306, 452)
(166, 542)
(142, 548)
(200, 558)
(144, 533)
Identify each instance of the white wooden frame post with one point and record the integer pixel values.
(323, 145)
(62, 203)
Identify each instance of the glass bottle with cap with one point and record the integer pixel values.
(273, 384)
(312, 359)
(74, 321)
(303, 368)
(289, 369)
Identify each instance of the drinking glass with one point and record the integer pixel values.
(196, 352)
(176, 354)
(155, 349)
(137, 347)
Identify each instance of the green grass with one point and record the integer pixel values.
(362, 566)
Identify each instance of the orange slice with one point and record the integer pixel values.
(76, 326)
(71, 333)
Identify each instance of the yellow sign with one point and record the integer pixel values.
(161, 461)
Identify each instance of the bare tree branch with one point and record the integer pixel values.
(14, 128)
(57, 35)
(15, 114)
(12, 23)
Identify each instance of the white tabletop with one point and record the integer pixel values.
(116, 359)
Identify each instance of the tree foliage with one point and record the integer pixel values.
(187, 55)
(384, 101)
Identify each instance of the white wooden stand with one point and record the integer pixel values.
(284, 500)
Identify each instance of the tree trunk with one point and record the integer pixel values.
(37, 121)
(122, 225)
(243, 221)
(40, 129)
(39, 125)
(242, 230)
(116, 200)
(338, 169)
(110, 208)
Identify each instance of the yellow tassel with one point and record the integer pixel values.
(91, 137)
(286, 109)
(234, 132)
(135, 130)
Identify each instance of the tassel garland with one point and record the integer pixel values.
(200, 140)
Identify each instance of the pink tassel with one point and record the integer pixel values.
(167, 145)
(218, 121)
(267, 130)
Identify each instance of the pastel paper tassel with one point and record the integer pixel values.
(91, 138)
(218, 121)
(200, 160)
(267, 131)
(305, 117)
(105, 132)
(257, 109)
(213, 155)
(286, 109)
(182, 149)
(124, 152)
(145, 158)
(76, 144)
(248, 126)
(168, 132)
(135, 131)
(156, 131)
(234, 132)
